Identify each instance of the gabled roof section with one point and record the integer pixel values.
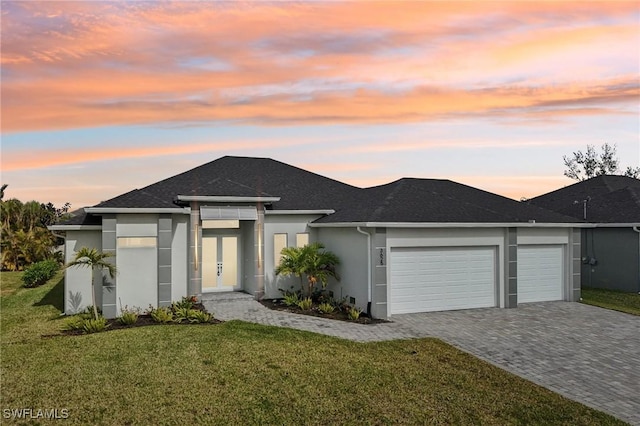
(298, 189)
(609, 199)
(411, 200)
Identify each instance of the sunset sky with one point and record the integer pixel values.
(99, 98)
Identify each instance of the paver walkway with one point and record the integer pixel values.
(585, 353)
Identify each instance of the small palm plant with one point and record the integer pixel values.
(92, 258)
(311, 260)
(291, 263)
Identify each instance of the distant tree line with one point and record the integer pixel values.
(589, 164)
(24, 236)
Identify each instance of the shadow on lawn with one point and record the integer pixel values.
(55, 297)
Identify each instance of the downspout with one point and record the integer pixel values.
(368, 269)
(635, 228)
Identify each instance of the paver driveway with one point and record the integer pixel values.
(588, 354)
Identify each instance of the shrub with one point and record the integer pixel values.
(291, 299)
(341, 305)
(305, 304)
(128, 317)
(94, 325)
(185, 302)
(197, 317)
(326, 308)
(354, 313)
(39, 273)
(183, 314)
(73, 323)
(161, 315)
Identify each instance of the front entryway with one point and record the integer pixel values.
(220, 263)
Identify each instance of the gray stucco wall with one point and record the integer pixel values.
(77, 280)
(617, 255)
(137, 283)
(248, 254)
(283, 224)
(351, 247)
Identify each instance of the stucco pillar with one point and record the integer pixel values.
(511, 268)
(576, 265)
(106, 293)
(259, 252)
(164, 259)
(194, 286)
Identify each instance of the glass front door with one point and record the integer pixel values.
(220, 270)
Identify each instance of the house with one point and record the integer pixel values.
(412, 245)
(610, 255)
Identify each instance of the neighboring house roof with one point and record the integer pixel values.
(609, 199)
(439, 201)
(405, 200)
(79, 217)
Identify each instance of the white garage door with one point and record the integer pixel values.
(440, 279)
(540, 273)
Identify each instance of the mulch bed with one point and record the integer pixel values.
(278, 305)
(143, 321)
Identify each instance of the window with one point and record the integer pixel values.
(136, 242)
(279, 242)
(302, 239)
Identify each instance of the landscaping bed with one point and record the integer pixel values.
(188, 311)
(338, 314)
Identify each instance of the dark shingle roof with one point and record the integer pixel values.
(243, 177)
(405, 200)
(610, 199)
(439, 201)
(79, 217)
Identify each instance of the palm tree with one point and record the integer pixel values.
(311, 260)
(93, 259)
(320, 265)
(291, 263)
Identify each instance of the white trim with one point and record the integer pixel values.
(282, 212)
(449, 225)
(616, 225)
(227, 199)
(74, 227)
(107, 210)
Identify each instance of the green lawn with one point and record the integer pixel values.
(616, 300)
(240, 373)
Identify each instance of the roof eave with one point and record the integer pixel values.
(74, 227)
(451, 225)
(115, 210)
(617, 225)
(292, 212)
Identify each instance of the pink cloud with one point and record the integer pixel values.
(87, 64)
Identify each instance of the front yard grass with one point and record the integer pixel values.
(609, 299)
(241, 373)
